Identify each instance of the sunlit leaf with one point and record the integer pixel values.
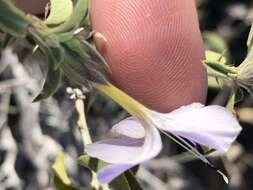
(214, 82)
(212, 56)
(66, 36)
(61, 179)
(59, 169)
(216, 65)
(91, 163)
(249, 58)
(231, 102)
(78, 15)
(217, 43)
(221, 68)
(60, 11)
(250, 38)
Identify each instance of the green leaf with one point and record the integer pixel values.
(126, 181)
(214, 82)
(7, 40)
(60, 11)
(214, 73)
(216, 65)
(231, 102)
(236, 96)
(132, 181)
(87, 52)
(212, 56)
(121, 183)
(12, 20)
(239, 95)
(249, 58)
(61, 179)
(82, 69)
(59, 169)
(250, 38)
(221, 68)
(51, 84)
(61, 186)
(249, 89)
(66, 36)
(135, 169)
(91, 163)
(57, 56)
(78, 15)
(217, 43)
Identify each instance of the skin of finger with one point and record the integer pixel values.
(31, 6)
(154, 49)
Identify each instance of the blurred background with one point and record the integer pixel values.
(32, 134)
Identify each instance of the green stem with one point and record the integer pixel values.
(132, 106)
(81, 122)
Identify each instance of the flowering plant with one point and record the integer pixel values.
(65, 43)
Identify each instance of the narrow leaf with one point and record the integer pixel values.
(221, 68)
(59, 169)
(92, 163)
(51, 84)
(250, 38)
(121, 183)
(82, 70)
(12, 20)
(61, 179)
(231, 102)
(132, 181)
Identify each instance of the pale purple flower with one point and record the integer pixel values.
(135, 140)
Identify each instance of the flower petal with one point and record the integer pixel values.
(122, 128)
(109, 173)
(212, 126)
(123, 149)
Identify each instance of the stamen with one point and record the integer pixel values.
(195, 152)
(187, 146)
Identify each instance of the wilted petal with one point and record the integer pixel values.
(109, 173)
(123, 149)
(212, 126)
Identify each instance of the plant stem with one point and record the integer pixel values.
(131, 105)
(84, 130)
(81, 122)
